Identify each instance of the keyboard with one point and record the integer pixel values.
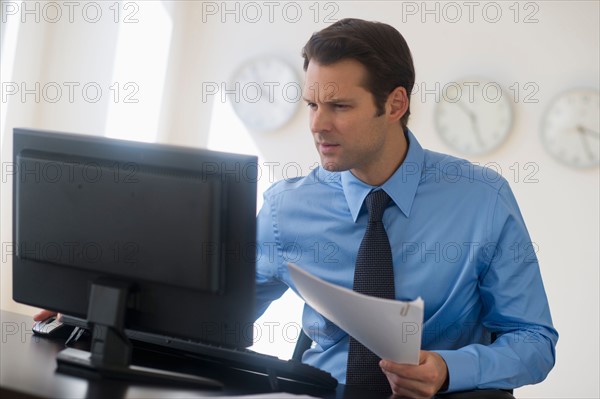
(242, 359)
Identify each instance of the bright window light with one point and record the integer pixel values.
(227, 133)
(10, 33)
(139, 72)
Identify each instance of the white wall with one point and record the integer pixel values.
(558, 52)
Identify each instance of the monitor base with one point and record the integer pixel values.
(79, 362)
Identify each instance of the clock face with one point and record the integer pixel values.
(473, 116)
(570, 128)
(268, 93)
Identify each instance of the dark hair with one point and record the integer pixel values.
(378, 46)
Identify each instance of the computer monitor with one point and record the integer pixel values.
(132, 235)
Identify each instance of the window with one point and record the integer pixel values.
(139, 71)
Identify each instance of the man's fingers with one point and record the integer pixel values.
(409, 388)
(43, 315)
(405, 371)
(422, 381)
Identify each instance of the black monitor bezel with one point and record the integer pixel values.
(175, 312)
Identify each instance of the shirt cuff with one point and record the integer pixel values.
(463, 370)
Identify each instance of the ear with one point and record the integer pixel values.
(397, 104)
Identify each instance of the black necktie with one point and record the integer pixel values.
(374, 275)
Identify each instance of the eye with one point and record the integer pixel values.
(341, 106)
(311, 105)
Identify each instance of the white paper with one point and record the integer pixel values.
(389, 328)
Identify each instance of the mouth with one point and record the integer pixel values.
(327, 148)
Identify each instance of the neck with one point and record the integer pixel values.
(392, 157)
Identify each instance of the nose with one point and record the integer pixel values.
(320, 121)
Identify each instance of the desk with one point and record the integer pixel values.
(28, 370)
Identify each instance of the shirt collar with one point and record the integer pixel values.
(401, 186)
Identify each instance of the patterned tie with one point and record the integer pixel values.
(373, 275)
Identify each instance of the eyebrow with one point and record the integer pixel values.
(339, 100)
(332, 100)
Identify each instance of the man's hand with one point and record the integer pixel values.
(45, 314)
(422, 381)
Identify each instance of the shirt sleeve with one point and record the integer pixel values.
(515, 310)
(268, 258)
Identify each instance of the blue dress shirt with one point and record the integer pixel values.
(458, 241)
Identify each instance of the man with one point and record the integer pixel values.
(457, 237)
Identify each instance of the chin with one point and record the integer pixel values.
(331, 166)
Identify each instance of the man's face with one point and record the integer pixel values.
(347, 134)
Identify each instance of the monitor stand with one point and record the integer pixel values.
(110, 353)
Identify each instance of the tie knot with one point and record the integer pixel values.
(376, 202)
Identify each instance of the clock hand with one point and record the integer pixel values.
(585, 143)
(589, 132)
(476, 131)
(465, 109)
(264, 93)
(473, 119)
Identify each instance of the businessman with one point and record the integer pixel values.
(385, 217)
(456, 235)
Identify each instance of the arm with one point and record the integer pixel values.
(515, 308)
(268, 258)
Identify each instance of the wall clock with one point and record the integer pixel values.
(269, 93)
(473, 116)
(570, 129)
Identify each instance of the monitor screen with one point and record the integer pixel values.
(175, 226)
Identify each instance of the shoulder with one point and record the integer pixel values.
(439, 168)
(317, 182)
